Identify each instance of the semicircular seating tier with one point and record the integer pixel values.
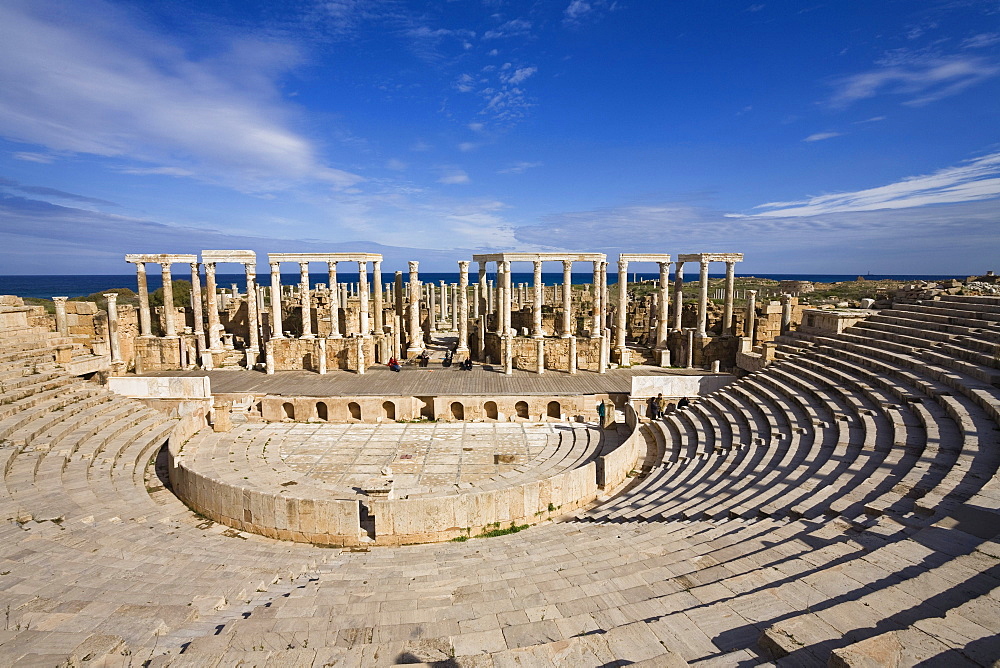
(837, 508)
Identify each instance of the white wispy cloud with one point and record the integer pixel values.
(157, 171)
(94, 79)
(519, 168)
(918, 78)
(467, 146)
(454, 177)
(577, 9)
(513, 28)
(820, 136)
(977, 179)
(29, 156)
(981, 41)
(518, 76)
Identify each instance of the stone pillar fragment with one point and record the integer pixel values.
(331, 278)
(463, 307)
(728, 326)
(416, 343)
(663, 313)
(595, 306)
(678, 294)
(169, 327)
(540, 356)
(377, 314)
(276, 325)
(702, 299)
(214, 338)
(786, 313)
(363, 327)
(253, 315)
(199, 325)
(567, 300)
(536, 306)
(304, 300)
(116, 355)
(750, 322)
(61, 325)
(620, 348)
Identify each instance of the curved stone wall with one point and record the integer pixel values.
(303, 511)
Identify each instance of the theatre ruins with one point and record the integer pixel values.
(379, 470)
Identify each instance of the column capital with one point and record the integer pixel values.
(275, 266)
(304, 266)
(249, 269)
(752, 293)
(567, 265)
(61, 300)
(209, 266)
(704, 263)
(111, 296)
(622, 265)
(195, 266)
(537, 264)
(363, 266)
(463, 265)
(165, 266)
(413, 265)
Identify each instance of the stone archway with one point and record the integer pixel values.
(389, 409)
(322, 411)
(355, 410)
(554, 410)
(492, 413)
(457, 410)
(289, 410)
(521, 409)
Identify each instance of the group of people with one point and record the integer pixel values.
(425, 360)
(658, 405)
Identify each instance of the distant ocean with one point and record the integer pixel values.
(46, 287)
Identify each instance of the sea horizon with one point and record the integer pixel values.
(81, 285)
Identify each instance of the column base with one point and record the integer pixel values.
(308, 336)
(663, 357)
(624, 356)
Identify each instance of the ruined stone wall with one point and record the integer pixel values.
(304, 354)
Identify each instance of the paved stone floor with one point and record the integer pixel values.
(419, 455)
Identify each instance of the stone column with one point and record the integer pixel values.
(199, 325)
(112, 298)
(61, 325)
(378, 316)
(540, 356)
(595, 310)
(507, 294)
(536, 306)
(214, 340)
(331, 279)
(678, 294)
(751, 318)
(567, 299)
(786, 313)
(276, 326)
(727, 314)
(454, 306)
(481, 306)
(463, 307)
(305, 300)
(481, 338)
(432, 306)
(690, 348)
(604, 300)
(663, 314)
(400, 301)
(572, 355)
(702, 299)
(168, 300)
(444, 303)
(321, 353)
(363, 298)
(622, 310)
(475, 301)
(253, 321)
(416, 334)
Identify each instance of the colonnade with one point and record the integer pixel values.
(491, 305)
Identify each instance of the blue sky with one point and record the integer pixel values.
(838, 137)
